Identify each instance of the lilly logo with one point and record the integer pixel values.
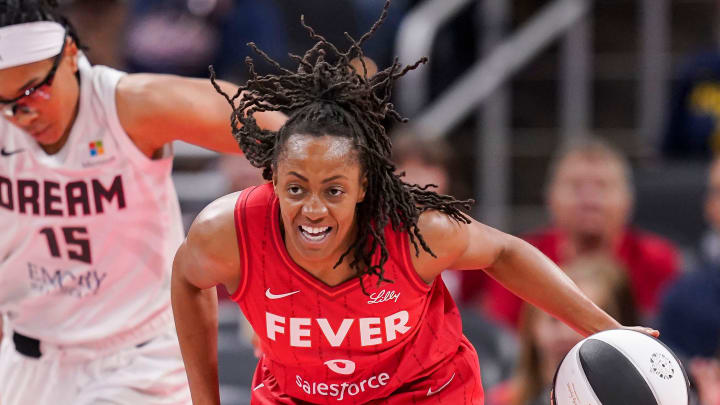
(383, 296)
(344, 367)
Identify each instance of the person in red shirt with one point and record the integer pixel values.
(336, 260)
(590, 201)
(544, 341)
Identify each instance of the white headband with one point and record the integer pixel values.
(30, 42)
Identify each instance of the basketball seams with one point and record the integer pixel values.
(575, 353)
(637, 368)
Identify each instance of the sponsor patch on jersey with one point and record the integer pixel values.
(384, 296)
(340, 366)
(340, 391)
(96, 148)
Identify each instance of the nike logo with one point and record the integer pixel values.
(278, 296)
(431, 392)
(259, 386)
(10, 153)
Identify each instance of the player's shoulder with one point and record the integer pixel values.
(259, 197)
(209, 254)
(216, 215)
(137, 93)
(436, 222)
(213, 230)
(219, 219)
(138, 84)
(441, 231)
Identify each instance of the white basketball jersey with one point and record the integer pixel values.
(87, 236)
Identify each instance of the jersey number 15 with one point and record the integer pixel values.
(78, 248)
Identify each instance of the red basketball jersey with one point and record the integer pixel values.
(402, 343)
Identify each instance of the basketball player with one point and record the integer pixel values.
(335, 261)
(89, 216)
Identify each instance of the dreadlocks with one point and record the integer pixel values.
(327, 95)
(14, 12)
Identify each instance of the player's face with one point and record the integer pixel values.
(318, 181)
(590, 196)
(47, 111)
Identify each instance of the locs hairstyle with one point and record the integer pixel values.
(14, 12)
(326, 95)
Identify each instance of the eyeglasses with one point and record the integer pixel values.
(40, 91)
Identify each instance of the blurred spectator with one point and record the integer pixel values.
(381, 46)
(185, 36)
(545, 341)
(694, 126)
(425, 162)
(240, 174)
(690, 315)
(366, 66)
(706, 377)
(100, 23)
(709, 250)
(328, 18)
(590, 200)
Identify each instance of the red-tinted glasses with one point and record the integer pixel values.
(40, 91)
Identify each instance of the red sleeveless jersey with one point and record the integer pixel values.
(402, 343)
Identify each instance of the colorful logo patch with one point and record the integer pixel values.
(96, 148)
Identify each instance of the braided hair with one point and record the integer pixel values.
(328, 96)
(14, 12)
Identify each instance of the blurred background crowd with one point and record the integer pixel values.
(589, 128)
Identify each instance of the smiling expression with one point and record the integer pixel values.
(318, 181)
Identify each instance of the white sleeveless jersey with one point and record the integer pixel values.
(87, 236)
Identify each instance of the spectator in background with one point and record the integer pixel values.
(706, 378)
(693, 129)
(381, 46)
(545, 341)
(590, 200)
(185, 36)
(425, 162)
(239, 173)
(100, 23)
(709, 250)
(690, 315)
(331, 19)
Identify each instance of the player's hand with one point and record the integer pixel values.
(642, 329)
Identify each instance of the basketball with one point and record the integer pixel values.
(619, 367)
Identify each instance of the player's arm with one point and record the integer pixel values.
(514, 263)
(208, 256)
(156, 109)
